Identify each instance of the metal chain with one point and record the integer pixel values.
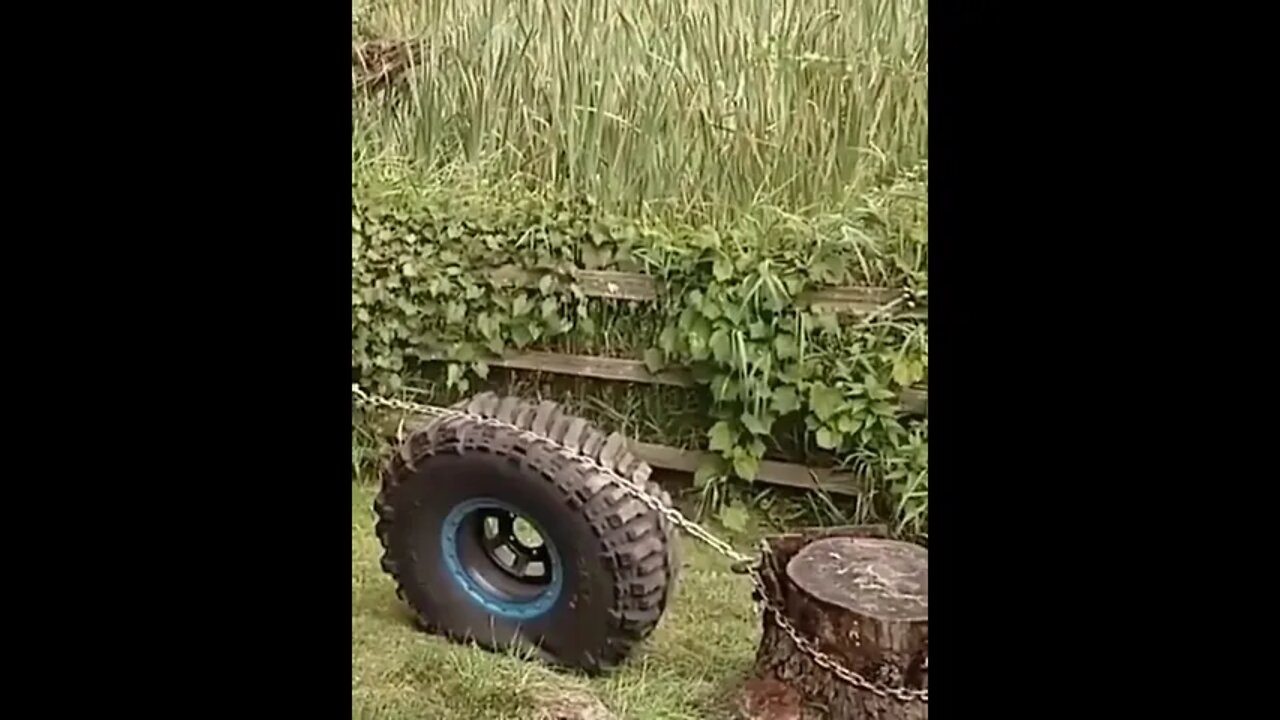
(824, 660)
(750, 564)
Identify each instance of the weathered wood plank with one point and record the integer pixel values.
(914, 400)
(852, 295)
(617, 285)
(600, 368)
(858, 301)
(613, 285)
(391, 424)
(771, 471)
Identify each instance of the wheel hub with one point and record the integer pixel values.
(502, 560)
(515, 546)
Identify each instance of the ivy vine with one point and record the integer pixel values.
(465, 282)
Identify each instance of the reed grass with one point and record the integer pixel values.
(691, 109)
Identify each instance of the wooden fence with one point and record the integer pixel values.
(642, 288)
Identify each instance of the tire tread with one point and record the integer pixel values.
(638, 543)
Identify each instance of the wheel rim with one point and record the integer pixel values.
(501, 558)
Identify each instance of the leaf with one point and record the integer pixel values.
(545, 283)
(707, 238)
(519, 305)
(722, 346)
(827, 439)
(409, 270)
(849, 424)
(688, 316)
(828, 269)
(653, 360)
(667, 340)
(710, 468)
(697, 339)
(906, 372)
(520, 335)
(487, 325)
(785, 347)
(785, 400)
(480, 368)
(759, 330)
(733, 517)
(549, 307)
(755, 425)
(734, 312)
(455, 312)
(594, 258)
(745, 465)
(722, 437)
(824, 400)
(722, 269)
(724, 389)
(462, 352)
(453, 375)
(711, 309)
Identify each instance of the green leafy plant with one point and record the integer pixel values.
(464, 285)
(464, 280)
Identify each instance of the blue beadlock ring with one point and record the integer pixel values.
(474, 583)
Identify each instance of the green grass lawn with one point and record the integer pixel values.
(690, 668)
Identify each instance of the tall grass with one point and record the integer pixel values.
(689, 108)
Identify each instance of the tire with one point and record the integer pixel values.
(608, 563)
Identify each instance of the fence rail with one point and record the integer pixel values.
(771, 471)
(666, 457)
(914, 400)
(638, 287)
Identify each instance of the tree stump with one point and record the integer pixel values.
(864, 602)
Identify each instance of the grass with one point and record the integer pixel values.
(705, 111)
(689, 669)
(697, 109)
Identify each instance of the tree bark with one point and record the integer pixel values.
(864, 602)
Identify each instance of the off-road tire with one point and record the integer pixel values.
(620, 557)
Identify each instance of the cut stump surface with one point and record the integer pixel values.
(863, 603)
(880, 579)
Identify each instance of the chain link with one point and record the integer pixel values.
(750, 564)
(826, 661)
